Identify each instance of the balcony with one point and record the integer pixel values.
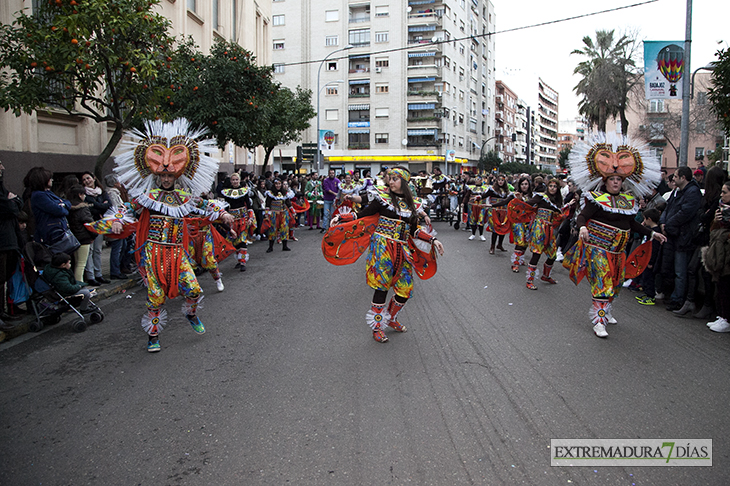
(423, 121)
(358, 146)
(423, 17)
(424, 70)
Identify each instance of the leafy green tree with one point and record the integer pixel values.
(288, 114)
(489, 161)
(107, 60)
(563, 157)
(719, 93)
(224, 91)
(608, 76)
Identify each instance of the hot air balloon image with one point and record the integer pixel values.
(670, 62)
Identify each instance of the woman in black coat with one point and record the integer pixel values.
(99, 204)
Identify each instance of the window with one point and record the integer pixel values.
(381, 37)
(331, 15)
(278, 68)
(360, 37)
(656, 106)
(381, 11)
(332, 40)
(278, 44)
(331, 115)
(461, 49)
(216, 25)
(331, 65)
(191, 5)
(331, 90)
(381, 138)
(382, 62)
(699, 153)
(277, 19)
(381, 112)
(701, 126)
(702, 98)
(381, 88)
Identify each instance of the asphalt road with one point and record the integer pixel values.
(288, 387)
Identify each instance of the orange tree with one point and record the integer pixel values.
(107, 60)
(225, 91)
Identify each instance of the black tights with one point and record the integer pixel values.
(494, 238)
(381, 295)
(536, 258)
(474, 230)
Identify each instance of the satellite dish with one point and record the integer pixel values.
(404, 142)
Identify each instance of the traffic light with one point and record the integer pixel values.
(298, 163)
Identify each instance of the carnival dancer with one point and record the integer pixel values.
(277, 216)
(240, 207)
(390, 224)
(163, 155)
(206, 246)
(543, 237)
(498, 196)
(348, 196)
(600, 167)
(475, 196)
(521, 216)
(313, 193)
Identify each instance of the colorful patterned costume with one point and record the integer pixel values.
(609, 218)
(521, 216)
(174, 152)
(277, 217)
(384, 228)
(478, 209)
(239, 201)
(313, 193)
(343, 205)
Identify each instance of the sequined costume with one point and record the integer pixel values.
(277, 217)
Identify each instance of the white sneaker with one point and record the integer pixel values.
(560, 256)
(659, 296)
(611, 319)
(481, 237)
(722, 326)
(472, 237)
(714, 322)
(219, 285)
(600, 330)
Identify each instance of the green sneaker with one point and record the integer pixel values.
(197, 325)
(153, 345)
(647, 300)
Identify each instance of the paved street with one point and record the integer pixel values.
(287, 386)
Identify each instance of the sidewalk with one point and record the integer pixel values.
(103, 292)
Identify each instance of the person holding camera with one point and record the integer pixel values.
(717, 261)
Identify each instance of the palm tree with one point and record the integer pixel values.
(608, 74)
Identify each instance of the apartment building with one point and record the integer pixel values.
(522, 127)
(547, 127)
(395, 82)
(67, 143)
(505, 116)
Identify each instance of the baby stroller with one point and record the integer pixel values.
(48, 305)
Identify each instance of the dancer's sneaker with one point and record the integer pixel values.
(600, 330)
(472, 237)
(549, 280)
(153, 344)
(219, 285)
(397, 326)
(197, 325)
(516, 268)
(482, 237)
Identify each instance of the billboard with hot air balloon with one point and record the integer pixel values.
(663, 69)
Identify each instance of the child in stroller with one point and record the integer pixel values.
(55, 290)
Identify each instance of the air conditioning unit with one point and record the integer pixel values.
(378, 70)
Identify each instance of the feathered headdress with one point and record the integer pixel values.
(602, 155)
(171, 148)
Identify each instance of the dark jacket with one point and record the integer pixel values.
(9, 229)
(50, 213)
(62, 280)
(99, 204)
(680, 218)
(76, 220)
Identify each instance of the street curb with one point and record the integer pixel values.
(102, 293)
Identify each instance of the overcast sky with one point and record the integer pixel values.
(523, 55)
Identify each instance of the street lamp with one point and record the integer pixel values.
(319, 72)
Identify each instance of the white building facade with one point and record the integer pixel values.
(409, 83)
